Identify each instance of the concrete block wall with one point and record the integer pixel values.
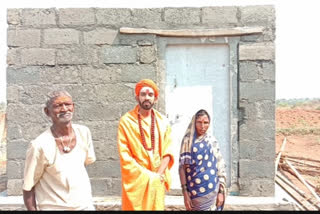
(82, 51)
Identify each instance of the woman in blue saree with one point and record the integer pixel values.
(201, 166)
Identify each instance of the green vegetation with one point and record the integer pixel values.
(299, 103)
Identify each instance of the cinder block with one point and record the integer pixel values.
(268, 71)
(104, 169)
(13, 16)
(107, 74)
(106, 149)
(60, 75)
(147, 54)
(13, 56)
(256, 187)
(147, 17)
(105, 186)
(15, 169)
(76, 17)
(113, 17)
(100, 36)
(24, 38)
(119, 54)
(38, 56)
(257, 91)
(182, 15)
(264, 130)
(23, 76)
(39, 17)
(14, 187)
(60, 36)
(249, 71)
(258, 15)
(220, 16)
(76, 55)
(13, 93)
(257, 51)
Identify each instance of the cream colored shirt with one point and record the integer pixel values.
(60, 179)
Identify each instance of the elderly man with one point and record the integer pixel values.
(55, 177)
(144, 144)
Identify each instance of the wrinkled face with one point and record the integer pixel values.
(202, 125)
(60, 110)
(146, 98)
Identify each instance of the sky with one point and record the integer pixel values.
(297, 36)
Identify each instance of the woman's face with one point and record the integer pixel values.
(202, 125)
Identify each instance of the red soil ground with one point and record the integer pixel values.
(301, 127)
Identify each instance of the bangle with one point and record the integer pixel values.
(184, 187)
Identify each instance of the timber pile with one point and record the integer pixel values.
(298, 167)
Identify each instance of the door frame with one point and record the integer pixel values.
(233, 43)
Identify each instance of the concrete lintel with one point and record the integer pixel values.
(238, 31)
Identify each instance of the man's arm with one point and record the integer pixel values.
(164, 164)
(29, 199)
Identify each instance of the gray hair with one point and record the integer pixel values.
(54, 94)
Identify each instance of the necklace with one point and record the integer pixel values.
(143, 139)
(67, 148)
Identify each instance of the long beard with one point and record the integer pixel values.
(146, 105)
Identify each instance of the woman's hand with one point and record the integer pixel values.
(220, 200)
(187, 200)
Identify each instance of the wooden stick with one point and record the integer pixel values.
(299, 199)
(303, 181)
(301, 158)
(302, 162)
(279, 154)
(291, 184)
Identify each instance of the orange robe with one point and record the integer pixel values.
(141, 186)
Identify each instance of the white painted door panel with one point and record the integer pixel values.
(197, 76)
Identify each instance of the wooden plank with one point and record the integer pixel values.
(279, 154)
(301, 158)
(303, 180)
(303, 162)
(300, 200)
(237, 31)
(302, 193)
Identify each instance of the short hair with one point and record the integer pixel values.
(54, 94)
(202, 112)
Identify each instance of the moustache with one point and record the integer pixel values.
(64, 114)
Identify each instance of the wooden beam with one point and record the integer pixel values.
(301, 158)
(300, 200)
(303, 180)
(237, 31)
(279, 154)
(302, 193)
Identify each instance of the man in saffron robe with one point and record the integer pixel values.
(144, 143)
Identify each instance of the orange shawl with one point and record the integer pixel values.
(141, 187)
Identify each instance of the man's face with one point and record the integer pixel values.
(61, 110)
(146, 98)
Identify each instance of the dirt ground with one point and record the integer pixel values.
(301, 127)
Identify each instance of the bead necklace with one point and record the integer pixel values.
(143, 139)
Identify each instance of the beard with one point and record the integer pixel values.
(146, 105)
(65, 117)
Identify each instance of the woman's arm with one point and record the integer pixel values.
(183, 181)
